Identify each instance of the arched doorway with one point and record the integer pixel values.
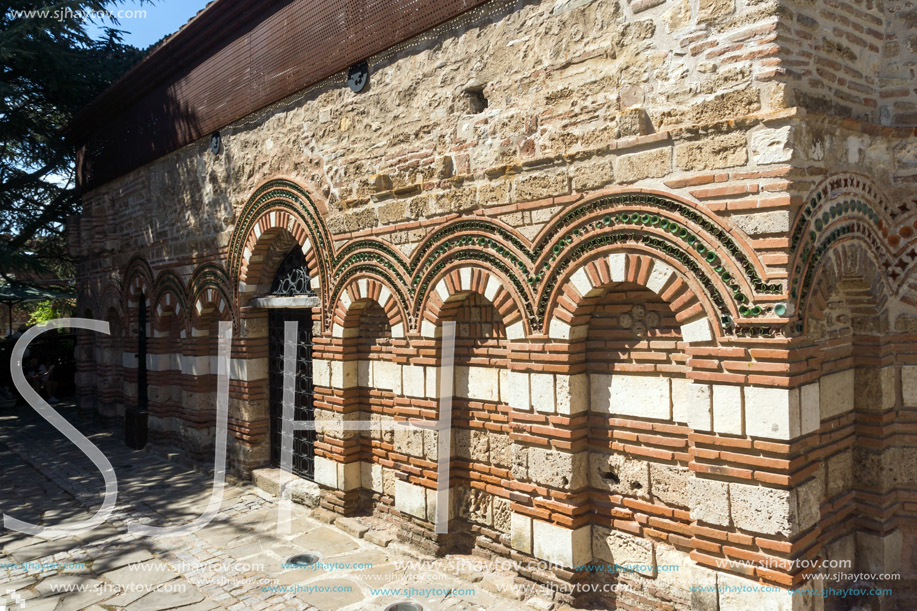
(292, 280)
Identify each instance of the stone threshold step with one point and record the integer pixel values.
(301, 490)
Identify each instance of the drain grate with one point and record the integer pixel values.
(302, 560)
(404, 606)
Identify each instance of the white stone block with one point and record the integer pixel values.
(558, 468)
(432, 496)
(617, 265)
(321, 372)
(742, 594)
(558, 329)
(387, 376)
(771, 413)
(249, 370)
(772, 145)
(411, 499)
(384, 296)
(414, 382)
(562, 546)
(521, 532)
(129, 360)
(409, 440)
(195, 365)
(881, 392)
(493, 285)
(727, 409)
(158, 362)
(659, 277)
(343, 374)
(709, 501)
(581, 282)
(760, 223)
(371, 476)
(572, 393)
(878, 554)
(909, 385)
(691, 404)
(809, 408)
(761, 509)
(433, 382)
(349, 475)
(429, 330)
(465, 278)
(516, 390)
(515, 331)
(481, 383)
(398, 331)
(697, 331)
(808, 502)
(631, 395)
(326, 472)
(365, 374)
(624, 550)
(543, 396)
(442, 290)
(836, 393)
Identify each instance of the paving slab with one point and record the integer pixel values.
(332, 594)
(159, 600)
(149, 573)
(43, 549)
(326, 542)
(110, 559)
(236, 562)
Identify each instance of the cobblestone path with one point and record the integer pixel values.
(236, 562)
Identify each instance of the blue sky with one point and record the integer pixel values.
(162, 18)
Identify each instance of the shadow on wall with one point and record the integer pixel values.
(159, 125)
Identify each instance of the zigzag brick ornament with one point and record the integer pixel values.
(678, 241)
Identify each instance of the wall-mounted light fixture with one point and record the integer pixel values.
(358, 76)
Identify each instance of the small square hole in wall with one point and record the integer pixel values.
(475, 99)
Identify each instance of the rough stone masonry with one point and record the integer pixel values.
(677, 238)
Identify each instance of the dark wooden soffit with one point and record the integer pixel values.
(234, 58)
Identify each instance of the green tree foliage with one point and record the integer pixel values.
(52, 309)
(50, 67)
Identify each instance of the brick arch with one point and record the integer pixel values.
(209, 296)
(169, 304)
(170, 295)
(86, 302)
(138, 279)
(577, 294)
(846, 208)
(844, 184)
(111, 300)
(276, 230)
(363, 289)
(851, 270)
(451, 287)
(278, 206)
(209, 302)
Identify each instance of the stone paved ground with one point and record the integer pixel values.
(234, 562)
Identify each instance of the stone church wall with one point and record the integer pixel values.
(676, 240)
